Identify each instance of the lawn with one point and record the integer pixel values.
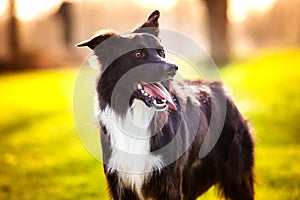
(42, 157)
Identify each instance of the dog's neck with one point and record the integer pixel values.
(129, 134)
(133, 127)
(140, 115)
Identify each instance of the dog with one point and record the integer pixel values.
(153, 128)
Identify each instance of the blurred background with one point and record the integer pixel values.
(39, 31)
(256, 45)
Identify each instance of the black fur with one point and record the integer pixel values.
(229, 165)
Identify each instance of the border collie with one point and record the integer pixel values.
(153, 127)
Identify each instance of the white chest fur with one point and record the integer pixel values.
(130, 140)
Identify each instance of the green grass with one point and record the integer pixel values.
(42, 157)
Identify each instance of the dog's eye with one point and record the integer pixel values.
(161, 52)
(138, 54)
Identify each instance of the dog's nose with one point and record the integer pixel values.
(170, 67)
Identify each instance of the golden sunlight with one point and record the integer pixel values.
(3, 6)
(29, 9)
(160, 4)
(238, 9)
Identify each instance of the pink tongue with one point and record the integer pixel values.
(156, 89)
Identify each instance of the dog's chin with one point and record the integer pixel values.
(154, 95)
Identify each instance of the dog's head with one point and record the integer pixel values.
(133, 67)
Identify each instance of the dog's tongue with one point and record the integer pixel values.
(157, 89)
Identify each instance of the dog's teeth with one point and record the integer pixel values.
(143, 92)
(159, 106)
(159, 102)
(139, 86)
(163, 100)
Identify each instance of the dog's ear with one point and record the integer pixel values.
(92, 43)
(151, 25)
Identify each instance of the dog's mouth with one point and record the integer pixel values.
(154, 95)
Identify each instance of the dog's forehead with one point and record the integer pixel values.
(142, 40)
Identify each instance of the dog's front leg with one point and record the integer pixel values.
(180, 185)
(175, 191)
(165, 185)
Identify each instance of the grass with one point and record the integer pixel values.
(42, 157)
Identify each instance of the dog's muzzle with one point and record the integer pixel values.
(170, 70)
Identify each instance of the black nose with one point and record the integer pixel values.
(170, 69)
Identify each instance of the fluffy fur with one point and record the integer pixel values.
(147, 119)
